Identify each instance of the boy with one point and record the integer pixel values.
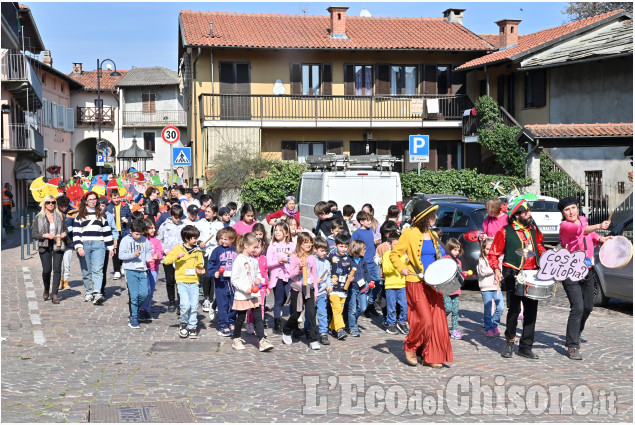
(325, 216)
(347, 214)
(223, 256)
(170, 236)
(225, 216)
(337, 226)
(365, 234)
(135, 252)
(395, 291)
(233, 207)
(392, 218)
(340, 267)
(188, 264)
(323, 272)
(359, 287)
(192, 215)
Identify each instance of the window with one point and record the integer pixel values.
(55, 158)
(311, 79)
(443, 79)
(70, 119)
(46, 161)
(309, 148)
(148, 103)
(292, 150)
(61, 116)
(148, 142)
(535, 89)
(54, 110)
(358, 80)
(621, 187)
(63, 166)
(445, 216)
(403, 80)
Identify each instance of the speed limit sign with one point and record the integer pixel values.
(170, 134)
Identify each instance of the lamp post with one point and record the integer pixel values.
(100, 146)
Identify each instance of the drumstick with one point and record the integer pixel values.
(350, 277)
(611, 215)
(323, 274)
(305, 274)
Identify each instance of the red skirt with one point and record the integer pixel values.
(429, 336)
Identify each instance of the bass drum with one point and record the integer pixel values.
(444, 276)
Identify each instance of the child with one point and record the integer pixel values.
(452, 301)
(169, 236)
(246, 275)
(246, 223)
(395, 285)
(366, 234)
(224, 216)
(303, 289)
(341, 265)
(264, 286)
(356, 296)
(278, 256)
(209, 227)
(135, 252)
(157, 254)
(347, 214)
(489, 291)
(392, 219)
(337, 226)
(294, 229)
(325, 216)
(188, 263)
(223, 256)
(233, 207)
(325, 287)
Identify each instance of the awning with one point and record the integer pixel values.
(26, 169)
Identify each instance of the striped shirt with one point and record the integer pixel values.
(92, 229)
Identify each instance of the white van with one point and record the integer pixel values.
(355, 181)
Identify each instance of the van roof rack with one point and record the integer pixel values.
(333, 162)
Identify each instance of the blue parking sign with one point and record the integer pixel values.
(419, 148)
(100, 160)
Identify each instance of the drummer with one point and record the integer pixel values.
(521, 233)
(577, 235)
(428, 337)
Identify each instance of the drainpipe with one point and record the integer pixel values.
(486, 81)
(196, 105)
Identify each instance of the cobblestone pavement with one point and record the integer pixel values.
(58, 360)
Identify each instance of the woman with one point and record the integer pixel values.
(429, 336)
(151, 203)
(92, 236)
(496, 218)
(50, 230)
(577, 235)
(288, 210)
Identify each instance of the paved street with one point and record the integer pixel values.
(61, 361)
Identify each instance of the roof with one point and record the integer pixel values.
(542, 39)
(33, 41)
(149, 76)
(580, 130)
(269, 31)
(89, 79)
(73, 84)
(493, 39)
(610, 40)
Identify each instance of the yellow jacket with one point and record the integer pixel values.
(410, 243)
(394, 278)
(185, 267)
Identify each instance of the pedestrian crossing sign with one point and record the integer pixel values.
(181, 156)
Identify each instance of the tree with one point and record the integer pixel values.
(582, 10)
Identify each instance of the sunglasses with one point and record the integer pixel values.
(50, 202)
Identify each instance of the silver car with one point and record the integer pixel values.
(614, 283)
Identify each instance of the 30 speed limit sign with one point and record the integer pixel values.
(170, 134)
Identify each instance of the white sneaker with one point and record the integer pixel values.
(265, 345)
(88, 298)
(314, 345)
(212, 314)
(301, 319)
(287, 339)
(250, 328)
(117, 276)
(206, 305)
(237, 344)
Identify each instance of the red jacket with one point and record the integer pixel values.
(280, 214)
(498, 249)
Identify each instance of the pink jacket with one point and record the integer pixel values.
(157, 248)
(458, 292)
(572, 237)
(262, 265)
(493, 225)
(275, 252)
(296, 273)
(242, 228)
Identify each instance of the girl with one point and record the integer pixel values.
(295, 229)
(278, 256)
(374, 223)
(356, 299)
(246, 223)
(451, 302)
(489, 291)
(264, 289)
(246, 275)
(153, 269)
(303, 290)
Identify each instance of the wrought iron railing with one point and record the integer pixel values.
(90, 115)
(178, 117)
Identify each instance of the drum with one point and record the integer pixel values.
(528, 285)
(444, 276)
(616, 252)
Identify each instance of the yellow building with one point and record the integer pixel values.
(293, 85)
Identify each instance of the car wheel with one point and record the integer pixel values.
(599, 299)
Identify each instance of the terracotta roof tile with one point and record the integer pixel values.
(89, 79)
(581, 130)
(313, 32)
(493, 38)
(536, 39)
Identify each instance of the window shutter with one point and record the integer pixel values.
(70, 120)
(349, 80)
(54, 115)
(335, 147)
(242, 79)
(429, 79)
(44, 108)
(458, 81)
(61, 116)
(327, 79)
(289, 150)
(382, 82)
(500, 90)
(540, 88)
(296, 78)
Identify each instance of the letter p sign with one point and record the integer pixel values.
(419, 148)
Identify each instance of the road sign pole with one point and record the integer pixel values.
(419, 168)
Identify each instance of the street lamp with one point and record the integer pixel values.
(100, 145)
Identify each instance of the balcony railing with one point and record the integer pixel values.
(90, 115)
(24, 137)
(470, 122)
(16, 69)
(139, 118)
(343, 108)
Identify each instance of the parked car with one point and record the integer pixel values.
(614, 283)
(433, 198)
(548, 218)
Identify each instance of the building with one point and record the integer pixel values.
(288, 86)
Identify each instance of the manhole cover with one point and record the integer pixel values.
(185, 347)
(162, 411)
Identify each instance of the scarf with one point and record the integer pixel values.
(525, 229)
(290, 213)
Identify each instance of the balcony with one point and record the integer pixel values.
(90, 115)
(24, 137)
(10, 39)
(19, 77)
(155, 119)
(407, 110)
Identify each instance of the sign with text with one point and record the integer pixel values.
(170, 134)
(419, 148)
(562, 264)
(100, 160)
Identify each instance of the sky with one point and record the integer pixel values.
(146, 33)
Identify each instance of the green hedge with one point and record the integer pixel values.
(268, 191)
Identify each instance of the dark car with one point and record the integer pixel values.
(614, 283)
(433, 198)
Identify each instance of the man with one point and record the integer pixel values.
(520, 233)
(196, 193)
(121, 213)
(190, 198)
(7, 204)
(182, 198)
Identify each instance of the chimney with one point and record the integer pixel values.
(338, 21)
(46, 57)
(77, 68)
(454, 15)
(508, 33)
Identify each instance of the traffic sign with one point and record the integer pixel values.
(170, 134)
(419, 148)
(100, 160)
(181, 156)
(107, 151)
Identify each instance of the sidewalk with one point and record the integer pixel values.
(61, 361)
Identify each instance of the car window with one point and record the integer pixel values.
(408, 209)
(461, 219)
(445, 216)
(627, 231)
(545, 206)
(479, 217)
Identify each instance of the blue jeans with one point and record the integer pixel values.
(489, 297)
(224, 302)
(152, 284)
(356, 306)
(394, 297)
(373, 270)
(322, 313)
(281, 294)
(92, 264)
(138, 287)
(188, 294)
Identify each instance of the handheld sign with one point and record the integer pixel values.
(562, 264)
